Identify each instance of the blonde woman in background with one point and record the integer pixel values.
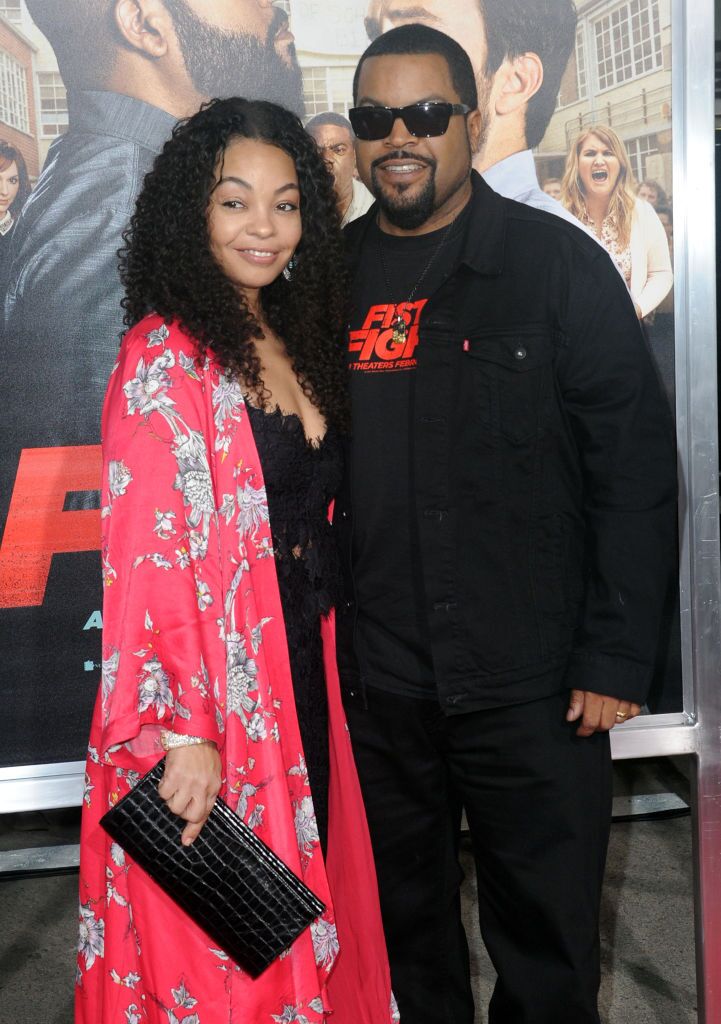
(598, 188)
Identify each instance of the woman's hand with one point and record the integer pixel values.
(190, 785)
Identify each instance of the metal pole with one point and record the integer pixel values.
(694, 192)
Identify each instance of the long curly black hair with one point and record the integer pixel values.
(167, 267)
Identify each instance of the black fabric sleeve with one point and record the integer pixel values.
(623, 429)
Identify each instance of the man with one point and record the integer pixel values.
(653, 193)
(552, 188)
(334, 137)
(508, 527)
(519, 50)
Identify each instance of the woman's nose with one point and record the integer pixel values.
(260, 224)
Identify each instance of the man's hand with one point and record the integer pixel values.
(598, 713)
(190, 785)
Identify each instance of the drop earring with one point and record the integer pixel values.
(289, 268)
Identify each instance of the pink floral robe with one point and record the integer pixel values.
(194, 641)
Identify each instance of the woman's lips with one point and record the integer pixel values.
(259, 257)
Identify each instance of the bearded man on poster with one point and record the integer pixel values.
(509, 535)
(519, 50)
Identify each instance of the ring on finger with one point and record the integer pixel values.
(622, 715)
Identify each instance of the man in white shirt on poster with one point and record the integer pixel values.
(519, 50)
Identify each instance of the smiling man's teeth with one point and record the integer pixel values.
(403, 168)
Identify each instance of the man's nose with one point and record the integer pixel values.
(400, 137)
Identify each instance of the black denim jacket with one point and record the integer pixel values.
(545, 467)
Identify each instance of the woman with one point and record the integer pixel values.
(221, 441)
(653, 193)
(598, 189)
(14, 190)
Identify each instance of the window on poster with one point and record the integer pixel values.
(53, 104)
(13, 93)
(12, 10)
(628, 42)
(327, 88)
(574, 84)
(639, 150)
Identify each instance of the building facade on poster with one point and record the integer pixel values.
(43, 101)
(329, 40)
(18, 101)
(619, 75)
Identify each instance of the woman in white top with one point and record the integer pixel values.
(598, 188)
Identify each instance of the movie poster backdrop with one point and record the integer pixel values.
(62, 318)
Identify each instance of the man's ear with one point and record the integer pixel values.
(516, 81)
(144, 25)
(474, 126)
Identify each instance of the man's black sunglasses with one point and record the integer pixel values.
(423, 120)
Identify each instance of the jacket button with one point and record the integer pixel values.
(520, 352)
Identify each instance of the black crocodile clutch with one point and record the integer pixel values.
(228, 881)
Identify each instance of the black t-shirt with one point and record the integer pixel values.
(393, 648)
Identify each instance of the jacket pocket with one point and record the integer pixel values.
(511, 371)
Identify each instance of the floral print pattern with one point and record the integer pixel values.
(193, 641)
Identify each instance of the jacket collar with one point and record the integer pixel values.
(120, 117)
(484, 245)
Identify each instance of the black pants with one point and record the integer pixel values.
(538, 803)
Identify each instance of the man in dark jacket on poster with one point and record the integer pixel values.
(510, 529)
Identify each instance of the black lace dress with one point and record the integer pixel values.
(301, 479)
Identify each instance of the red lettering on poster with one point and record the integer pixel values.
(37, 528)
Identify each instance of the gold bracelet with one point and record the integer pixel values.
(170, 740)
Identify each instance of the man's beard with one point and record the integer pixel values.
(222, 63)
(405, 212)
(411, 212)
